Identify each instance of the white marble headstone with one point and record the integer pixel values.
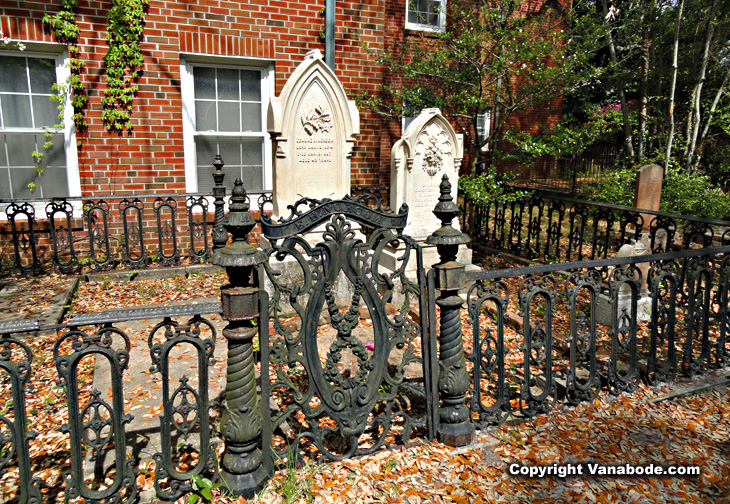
(429, 149)
(313, 127)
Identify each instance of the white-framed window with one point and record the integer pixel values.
(225, 101)
(26, 111)
(484, 125)
(410, 112)
(426, 14)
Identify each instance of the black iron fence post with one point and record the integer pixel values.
(219, 235)
(455, 426)
(242, 467)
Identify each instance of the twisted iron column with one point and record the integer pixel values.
(219, 234)
(455, 426)
(242, 467)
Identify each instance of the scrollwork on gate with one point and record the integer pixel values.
(623, 374)
(583, 382)
(663, 279)
(355, 384)
(489, 352)
(537, 302)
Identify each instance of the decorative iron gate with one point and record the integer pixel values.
(362, 380)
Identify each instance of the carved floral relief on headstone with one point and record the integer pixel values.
(313, 127)
(429, 149)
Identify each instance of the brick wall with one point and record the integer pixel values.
(151, 159)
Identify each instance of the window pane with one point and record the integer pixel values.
(16, 149)
(16, 111)
(424, 12)
(228, 84)
(243, 157)
(229, 116)
(42, 75)
(45, 112)
(252, 169)
(53, 183)
(19, 148)
(205, 119)
(250, 117)
(230, 149)
(252, 151)
(4, 182)
(205, 151)
(20, 177)
(56, 155)
(251, 85)
(204, 82)
(14, 78)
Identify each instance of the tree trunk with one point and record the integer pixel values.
(697, 91)
(673, 88)
(620, 85)
(644, 88)
(713, 108)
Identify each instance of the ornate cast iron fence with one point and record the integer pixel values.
(550, 227)
(366, 383)
(131, 230)
(350, 349)
(96, 419)
(106, 231)
(558, 333)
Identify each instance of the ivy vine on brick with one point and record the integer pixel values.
(124, 62)
(64, 27)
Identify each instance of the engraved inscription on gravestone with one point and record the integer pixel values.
(313, 127)
(429, 149)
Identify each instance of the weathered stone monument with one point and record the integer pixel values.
(647, 195)
(428, 150)
(313, 127)
(648, 190)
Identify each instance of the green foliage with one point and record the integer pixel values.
(641, 30)
(615, 187)
(491, 56)
(64, 27)
(486, 187)
(682, 193)
(124, 62)
(295, 483)
(694, 194)
(202, 488)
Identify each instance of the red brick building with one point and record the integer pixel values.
(210, 68)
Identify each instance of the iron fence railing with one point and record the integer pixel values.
(98, 468)
(133, 230)
(557, 333)
(565, 174)
(551, 227)
(541, 336)
(389, 367)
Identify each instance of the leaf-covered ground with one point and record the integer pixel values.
(630, 429)
(625, 430)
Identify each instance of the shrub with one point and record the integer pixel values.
(486, 187)
(694, 194)
(615, 187)
(682, 193)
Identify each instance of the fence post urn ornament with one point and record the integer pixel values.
(242, 468)
(455, 426)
